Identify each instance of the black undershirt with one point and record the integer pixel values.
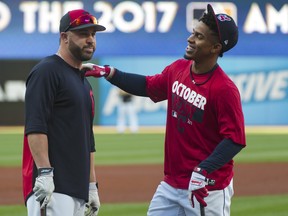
(132, 83)
(222, 154)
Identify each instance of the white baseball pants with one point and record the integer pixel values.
(169, 201)
(59, 205)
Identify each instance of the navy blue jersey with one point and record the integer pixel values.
(59, 103)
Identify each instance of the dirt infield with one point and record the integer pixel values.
(138, 183)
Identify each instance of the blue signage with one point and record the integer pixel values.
(29, 29)
(262, 82)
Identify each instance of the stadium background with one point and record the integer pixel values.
(144, 37)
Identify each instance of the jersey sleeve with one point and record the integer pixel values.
(157, 85)
(230, 115)
(41, 87)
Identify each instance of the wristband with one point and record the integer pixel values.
(200, 171)
(45, 171)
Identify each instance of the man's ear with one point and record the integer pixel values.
(216, 48)
(64, 37)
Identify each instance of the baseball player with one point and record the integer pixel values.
(58, 155)
(205, 123)
(126, 113)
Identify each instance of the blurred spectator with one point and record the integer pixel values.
(127, 114)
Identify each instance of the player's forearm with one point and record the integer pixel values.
(132, 83)
(38, 144)
(92, 168)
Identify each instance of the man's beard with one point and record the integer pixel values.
(78, 53)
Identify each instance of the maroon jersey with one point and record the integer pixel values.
(202, 111)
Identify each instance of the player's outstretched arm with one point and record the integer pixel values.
(134, 84)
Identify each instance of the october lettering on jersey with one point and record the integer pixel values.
(187, 105)
(189, 95)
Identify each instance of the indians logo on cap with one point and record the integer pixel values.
(223, 17)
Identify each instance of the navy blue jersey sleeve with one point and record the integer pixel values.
(41, 88)
(222, 154)
(132, 83)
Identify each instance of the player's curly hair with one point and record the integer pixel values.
(209, 20)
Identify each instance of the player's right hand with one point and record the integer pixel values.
(93, 205)
(44, 185)
(197, 187)
(96, 70)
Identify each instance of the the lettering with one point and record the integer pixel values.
(152, 16)
(189, 95)
(142, 104)
(12, 91)
(255, 20)
(44, 16)
(262, 86)
(5, 16)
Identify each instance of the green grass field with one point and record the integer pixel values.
(147, 148)
(241, 206)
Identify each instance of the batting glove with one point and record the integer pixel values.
(197, 187)
(93, 205)
(97, 71)
(44, 185)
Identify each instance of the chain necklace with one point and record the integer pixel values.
(210, 75)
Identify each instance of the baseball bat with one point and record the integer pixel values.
(43, 211)
(202, 210)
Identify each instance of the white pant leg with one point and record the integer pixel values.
(218, 202)
(165, 201)
(132, 117)
(59, 205)
(121, 117)
(33, 207)
(169, 201)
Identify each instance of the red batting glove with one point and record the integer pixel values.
(96, 70)
(197, 187)
(199, 194)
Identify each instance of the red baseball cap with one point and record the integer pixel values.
(79, 19)
(227, 29)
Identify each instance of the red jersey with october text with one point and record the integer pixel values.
(200, 114)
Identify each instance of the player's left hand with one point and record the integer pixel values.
(93, 205)
(197, 187)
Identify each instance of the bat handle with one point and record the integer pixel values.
(43, 211)
(202, 210)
